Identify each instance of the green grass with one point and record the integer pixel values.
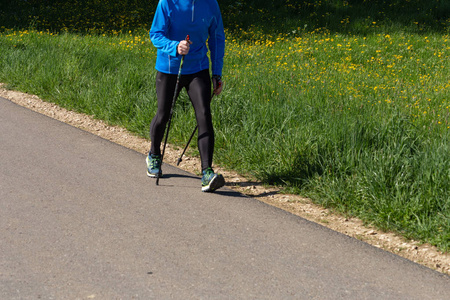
(351, 110)
(349, 17)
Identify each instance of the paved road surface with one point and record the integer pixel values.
(81, 220)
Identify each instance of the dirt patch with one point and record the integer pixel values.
(424, 254)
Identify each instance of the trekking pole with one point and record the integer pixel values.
(171, 112)
(180, 159)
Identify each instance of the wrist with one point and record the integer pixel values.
(217, 77)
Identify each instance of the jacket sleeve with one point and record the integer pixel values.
(160, 28)
(216, 41)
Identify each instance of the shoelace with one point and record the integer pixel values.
(155, 162)
(208, 173)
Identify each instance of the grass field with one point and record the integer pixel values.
(345, 102)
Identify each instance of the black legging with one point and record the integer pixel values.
(198, 87)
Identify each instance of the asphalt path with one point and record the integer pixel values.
(81, 220)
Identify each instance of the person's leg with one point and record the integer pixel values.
(199, 91)
(165, 88)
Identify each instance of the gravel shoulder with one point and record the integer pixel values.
(423, 254)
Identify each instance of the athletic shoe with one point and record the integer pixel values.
(211, 181)
(154, 165)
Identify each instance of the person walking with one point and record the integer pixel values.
(201, 21)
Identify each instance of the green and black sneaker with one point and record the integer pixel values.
(154, 165)
(211, 181)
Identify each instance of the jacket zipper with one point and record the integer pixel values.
(193, 10)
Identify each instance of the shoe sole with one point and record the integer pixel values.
(154, 175)
(216, 183)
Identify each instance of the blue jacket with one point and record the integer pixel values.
(202, 21)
